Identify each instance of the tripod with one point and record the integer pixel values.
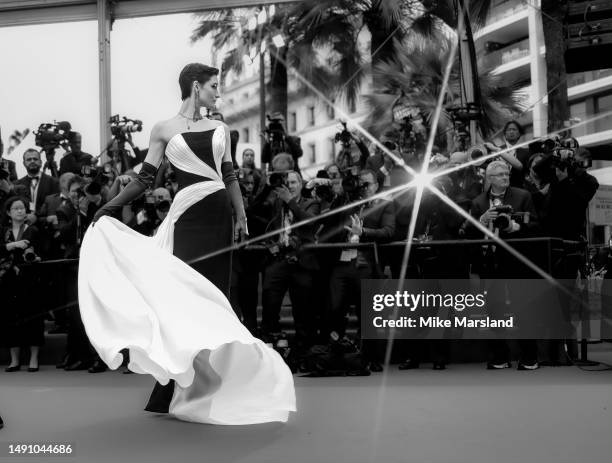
(50, 163)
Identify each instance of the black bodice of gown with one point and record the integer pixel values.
(201, 145)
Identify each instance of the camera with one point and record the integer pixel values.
(277, 179)
(559, 152)
(351, 185)
(506, 215)
(344, 136)
(50, 136)
(502, 221)
(4, 169)
(29, 255)
(275, 134)
(461, 116)
(322, 186)
(89, 171)
(120, 126)
(163, 206)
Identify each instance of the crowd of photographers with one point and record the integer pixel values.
(539, 189)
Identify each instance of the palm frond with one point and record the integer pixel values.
(213, 22)
(416, 75)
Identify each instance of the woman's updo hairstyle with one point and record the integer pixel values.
(194, 71)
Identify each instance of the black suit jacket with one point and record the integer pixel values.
(47, 186)
(520, 200)
(302, 209)
(52, 204)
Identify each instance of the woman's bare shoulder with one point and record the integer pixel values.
(166, 129)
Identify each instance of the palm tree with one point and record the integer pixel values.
(553, 12)
(415, 77)
(335, 25)
(229, 32)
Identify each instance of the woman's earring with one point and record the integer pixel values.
(196, 112)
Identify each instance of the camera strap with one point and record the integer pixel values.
(22, 229)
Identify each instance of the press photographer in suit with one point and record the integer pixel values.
(38, 185)
(508, 212)
(372, 222)
(289, 267)
(571, 189)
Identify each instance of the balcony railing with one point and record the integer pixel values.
(589, 76)
(507, 54)
(505, 9)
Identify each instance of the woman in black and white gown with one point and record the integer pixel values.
(165, 298)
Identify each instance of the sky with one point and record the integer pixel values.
(50, 73)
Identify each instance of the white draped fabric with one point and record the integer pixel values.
(133, 293)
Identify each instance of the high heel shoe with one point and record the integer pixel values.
(13, 368)
(32, 369)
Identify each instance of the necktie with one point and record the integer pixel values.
(33, 189)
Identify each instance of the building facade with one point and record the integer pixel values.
(511, 42)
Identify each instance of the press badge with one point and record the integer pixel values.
(348, 255)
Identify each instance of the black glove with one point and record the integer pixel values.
(132, 191)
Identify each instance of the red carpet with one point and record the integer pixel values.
(464, 414)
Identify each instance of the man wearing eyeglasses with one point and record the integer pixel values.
(490, 208)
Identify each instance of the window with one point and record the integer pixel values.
(293, 122)
(352, 106)
(332, 149)
(578, 110)
(245, 96)
(245, 135)
(331, 112)
(311, 115)
(312, 153)
(603, 104)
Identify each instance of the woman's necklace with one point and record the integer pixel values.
(196, 117)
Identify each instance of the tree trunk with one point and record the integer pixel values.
(277, 87)
(381, 45)
(553, 12)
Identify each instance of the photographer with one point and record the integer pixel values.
(569, 196)
(22, 324)
(277, 141)
(73, 220)
(246, 180)
(37, 184)
(152, 212)
(388, 172)
(349, 159)
(372, 222)
(248, 162)
(496, 207)
(508, 212)
(8, 171)
(516, 158)
(75, 160)
(121, 159)
(571, 189)
(289, 267)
